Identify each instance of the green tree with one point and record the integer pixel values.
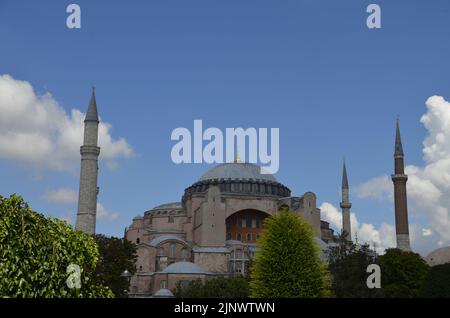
(347, 264)
(116, 255)
(287, 263)
(402, 273)
(437, 282)
(36, 251)
(220, 287)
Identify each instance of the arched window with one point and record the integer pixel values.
(138, 240)
(229, 236)
(184, 254)
(238, 262)
(172, 250)
(239, 237)
(249, 237)
(248, 221)
(161, 261)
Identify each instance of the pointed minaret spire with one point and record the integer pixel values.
(399, 178)
(92, 114)
(346, 205)
(87, 198)
(398, 141)
(344, 177)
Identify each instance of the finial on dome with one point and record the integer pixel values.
(238, 158)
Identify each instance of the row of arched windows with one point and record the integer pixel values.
(165, 258)
(249, 237)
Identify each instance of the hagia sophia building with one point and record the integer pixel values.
(213, 230)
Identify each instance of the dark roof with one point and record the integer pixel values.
(92, 114)
(171, 205)
(237, 171)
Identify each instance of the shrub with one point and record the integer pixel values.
(287, 262)
(36, 251)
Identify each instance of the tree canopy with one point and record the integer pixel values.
(36, 251)
(116, 255)
(347, 263)
(437, 283)
(402, 273)
(287, 263)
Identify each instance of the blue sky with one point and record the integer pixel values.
(311, 68)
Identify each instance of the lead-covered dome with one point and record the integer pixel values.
(239, 178)
(237, 171)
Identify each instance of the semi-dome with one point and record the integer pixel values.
(237, 171)
(171, 205)
(184, 268)
(163, 293)
(439, 256)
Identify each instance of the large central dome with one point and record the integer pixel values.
(238, 179)
(237, 171)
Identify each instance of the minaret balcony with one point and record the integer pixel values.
(399, 177)
(90, 150)
(346, 205)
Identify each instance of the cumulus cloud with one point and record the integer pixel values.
(61, 196)
(380, 239)
(103, 214)
(377, 188)
(69, 196)
(36, 131)
(428, 185)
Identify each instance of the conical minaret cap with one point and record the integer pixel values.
(344, 177)
(398, 142)
(92, 114)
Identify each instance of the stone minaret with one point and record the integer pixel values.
(87, 198)
(346, 205)
(401, 209)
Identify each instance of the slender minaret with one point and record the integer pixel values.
(346, 205)
(399, 179)
(87, 198)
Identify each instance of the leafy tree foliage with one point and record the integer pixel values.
(437, 283)
(287, 263)
(116, 255)
(402, 273)
(347, 263)
(36, 251)
(220, 287)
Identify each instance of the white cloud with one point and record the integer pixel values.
(35, 130)
(61, 196)
(69, 196)
(103, 214)
(428, 186)
(377, 188)
(381, 238)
